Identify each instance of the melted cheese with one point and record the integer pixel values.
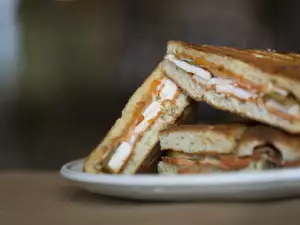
(236, 91)
(169, 90)
(204, 74)
(120, 156)
(220, 81)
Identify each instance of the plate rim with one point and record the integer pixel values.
(236, 178)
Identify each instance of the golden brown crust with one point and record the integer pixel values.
(202, 139)
(273, 63)
(228, 129)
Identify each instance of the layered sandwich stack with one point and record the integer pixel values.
(226, 147)
(255, 84)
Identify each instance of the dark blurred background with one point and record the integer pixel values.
(67, 68)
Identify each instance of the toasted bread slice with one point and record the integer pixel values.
(225, 147)
(155, 105)
(257, 66)
(260, 85)
(199, 139)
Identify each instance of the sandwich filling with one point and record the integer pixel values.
(263, 157)
(277, 100)
(165, 90)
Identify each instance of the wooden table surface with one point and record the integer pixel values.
(28, 197)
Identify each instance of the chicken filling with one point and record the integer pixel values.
(165, 91)
(277, 100)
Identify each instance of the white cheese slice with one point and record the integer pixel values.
(236, 91)
(198, 71)
(220, 81)
(169, 90)
(294, 110)
(120, 156)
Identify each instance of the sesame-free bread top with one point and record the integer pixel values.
(199, 139)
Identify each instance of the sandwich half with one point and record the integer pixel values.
(257, 84)
(131, 145)
(226, 147)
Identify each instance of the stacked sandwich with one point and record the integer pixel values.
(226, 147)
(155, 130)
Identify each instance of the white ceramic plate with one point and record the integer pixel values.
(227, 186)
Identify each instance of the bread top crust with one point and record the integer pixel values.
(223, 129)
(198, 139)
(286, 65)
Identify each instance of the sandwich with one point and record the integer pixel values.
(131, 145)
(256, 84)
(226, 147)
